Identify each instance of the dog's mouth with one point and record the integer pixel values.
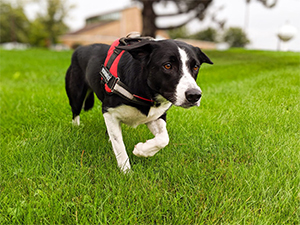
(184, 103)
(188, 104)
(167, 96)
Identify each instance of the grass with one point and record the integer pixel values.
(233, 160)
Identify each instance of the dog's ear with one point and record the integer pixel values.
(140, 50)
(202, 57)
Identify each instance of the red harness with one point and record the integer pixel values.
(114, 66)
(109, 68)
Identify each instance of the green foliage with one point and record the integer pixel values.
(53, 20)
(209, 34)
(233, 160)
(181, 32)
(236, 37)
(38, 34)
(14, 24)
(42, 31)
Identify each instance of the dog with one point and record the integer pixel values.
(148, 77)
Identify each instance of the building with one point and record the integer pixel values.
(106, 28)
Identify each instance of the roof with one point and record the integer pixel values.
(106, 13)
(90, 27)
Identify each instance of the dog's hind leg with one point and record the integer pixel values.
(152, 146)
(89, 100)
(80, 96)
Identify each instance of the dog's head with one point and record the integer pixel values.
(171, 68)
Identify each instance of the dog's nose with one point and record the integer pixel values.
(193, 95)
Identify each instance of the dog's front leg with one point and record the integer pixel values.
(152, 146)
(115, 134)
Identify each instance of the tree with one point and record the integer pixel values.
(42, 31)
(193, 9)
(208, 34)
(38, 35)
(53, 20)
(266, 3)
(14, 24)
(236, 37)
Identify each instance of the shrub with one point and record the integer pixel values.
(181, 32)
(236, 37)
(208, 34)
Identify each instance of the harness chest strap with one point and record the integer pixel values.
(114, 85)
(109, 75)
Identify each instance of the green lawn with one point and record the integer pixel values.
(233, 160)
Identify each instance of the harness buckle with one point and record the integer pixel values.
(108, 78)
(105, 74)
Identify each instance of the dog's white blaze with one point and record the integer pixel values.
(186, 81)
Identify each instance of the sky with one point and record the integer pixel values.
(262, 28)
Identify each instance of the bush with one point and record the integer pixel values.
(209, 34)
(181, 32)
(236, 37)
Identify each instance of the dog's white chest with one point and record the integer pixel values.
(133, 117)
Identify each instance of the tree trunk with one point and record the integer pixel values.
(149, 16)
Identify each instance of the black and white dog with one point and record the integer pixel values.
(152, 75)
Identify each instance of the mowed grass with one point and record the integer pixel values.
(233, 160)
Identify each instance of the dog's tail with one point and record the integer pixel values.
(89, 101)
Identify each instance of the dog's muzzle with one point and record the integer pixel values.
(193, 95)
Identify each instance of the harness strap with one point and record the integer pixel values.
(109, 75)
(113, 57)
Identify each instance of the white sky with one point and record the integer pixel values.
(262, 29)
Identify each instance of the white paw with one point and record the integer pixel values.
(76, 121)
(127, 171)
(138, 150)
(125, 168)
(145, 150)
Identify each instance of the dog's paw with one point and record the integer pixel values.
(125, 168)
(143, 150)
(137, 151)
(127, 171)
(76, 121)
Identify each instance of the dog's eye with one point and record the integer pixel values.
(196, 67)
(168, 66)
